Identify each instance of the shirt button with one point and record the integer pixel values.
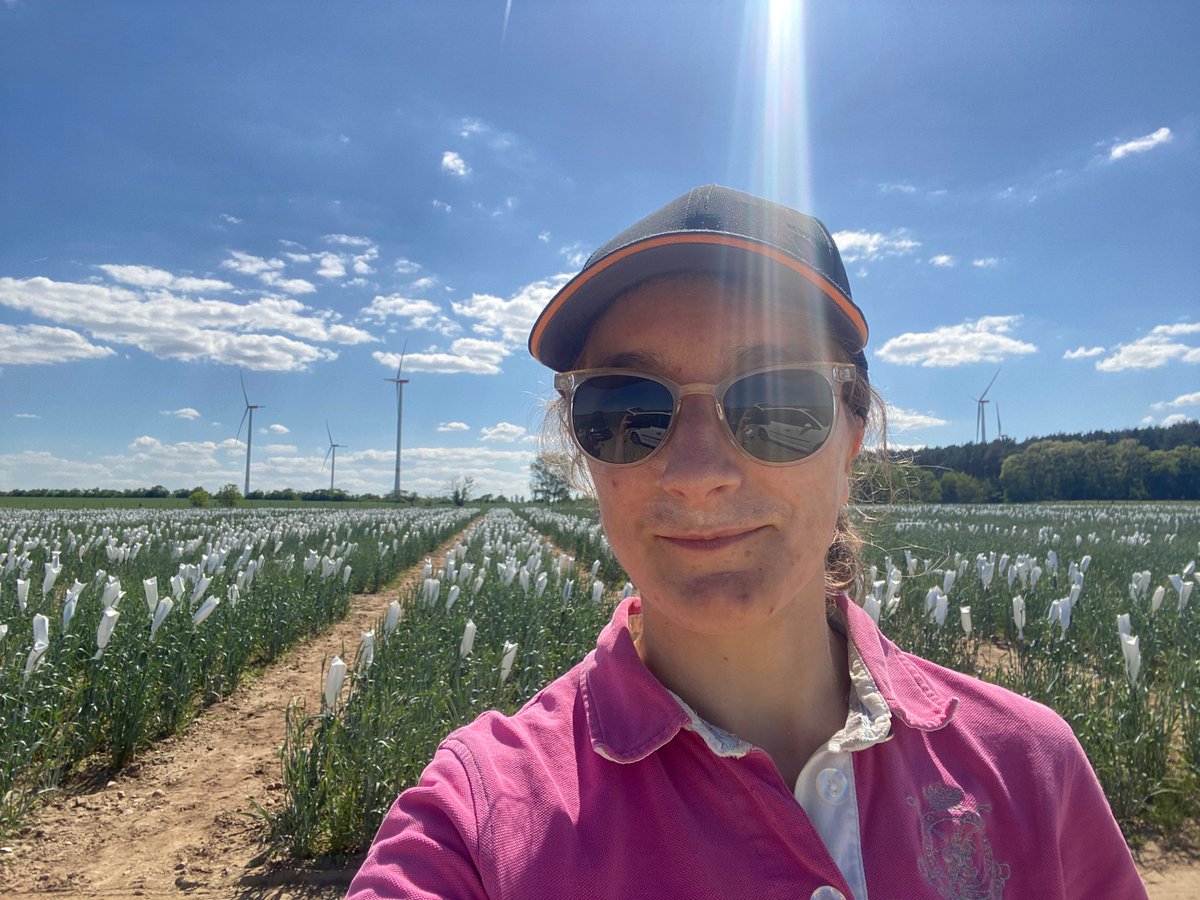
(833, 786)
(827, 892)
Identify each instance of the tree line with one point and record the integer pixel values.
(1160, 463)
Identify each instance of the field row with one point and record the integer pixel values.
(116, 626)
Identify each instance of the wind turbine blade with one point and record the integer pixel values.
(238, 436)
(403, 350)
(326, 459)
(245, 396)
(990, 383)
(328, 432)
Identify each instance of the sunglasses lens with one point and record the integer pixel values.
(620, 418)
(781, 416)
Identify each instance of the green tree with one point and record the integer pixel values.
(549, 479)
(199, 497)
(229, 495)
(460, 489)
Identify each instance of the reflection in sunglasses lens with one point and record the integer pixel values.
(781, 416)
(778, 416)
(620, 418)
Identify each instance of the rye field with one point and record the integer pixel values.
(118, 626)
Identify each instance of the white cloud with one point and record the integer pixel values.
(872, 245)
(1140, 145)
(900, 419)
(498, 141)
(185, 412)
(575, 254)
(1175, 419)
(544, 237)
(1182, 400)
(420, 313)
(899, 187)
(1082, 352)
(502, 431)
(276, 428)
(291, 285)
(444, 207)
(943, 261)
(31, 345)
(470, 127)
(454, 164)
(513, 318)
(270, 333)
(149, 277)
(361, 262)
(983, 340)
(232, 220)
(986, 262)
(453, 426)
(331, 266)
(397, 306)
(26, 416)
(349, 240)
(247, 264)
(406, 266)
(1154, 350)
(466, 355)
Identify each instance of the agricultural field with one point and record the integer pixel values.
(1085, 607)
(117, 625)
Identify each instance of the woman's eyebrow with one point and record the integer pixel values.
(763, 354)
(630, 359)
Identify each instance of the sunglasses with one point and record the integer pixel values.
(780, 415)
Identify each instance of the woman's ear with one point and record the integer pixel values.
(858, 433)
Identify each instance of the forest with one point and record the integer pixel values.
(1156, 463)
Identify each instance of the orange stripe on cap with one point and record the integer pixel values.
(784, 259)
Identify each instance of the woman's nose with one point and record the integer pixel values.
(700, 459)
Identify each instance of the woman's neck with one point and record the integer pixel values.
(781, 685)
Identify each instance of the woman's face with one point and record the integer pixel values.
(714, 540)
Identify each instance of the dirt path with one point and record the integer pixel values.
(175, 822)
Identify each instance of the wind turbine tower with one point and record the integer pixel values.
(981, 411)
(332, 451)
(400, 383)
(250, 408)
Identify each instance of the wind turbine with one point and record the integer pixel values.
(332, 451)
(981, 411)
(399, 382)
(999, 430)
(250, 408)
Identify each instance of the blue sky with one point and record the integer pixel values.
(291, 192)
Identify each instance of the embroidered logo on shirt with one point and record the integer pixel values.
(956, 855)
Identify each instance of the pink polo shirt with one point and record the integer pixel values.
(605, 785)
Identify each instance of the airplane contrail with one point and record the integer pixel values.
(507, 10)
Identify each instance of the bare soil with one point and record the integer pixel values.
(178, 822)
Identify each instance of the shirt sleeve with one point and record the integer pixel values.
(1096, 861)
(428, 845)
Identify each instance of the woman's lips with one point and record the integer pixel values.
(714, 541)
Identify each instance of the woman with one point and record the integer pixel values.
(742, 728)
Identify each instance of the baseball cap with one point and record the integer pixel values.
(711, 229)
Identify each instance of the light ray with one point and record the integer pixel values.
(507, 11)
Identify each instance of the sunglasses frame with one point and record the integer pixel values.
(835, 373)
